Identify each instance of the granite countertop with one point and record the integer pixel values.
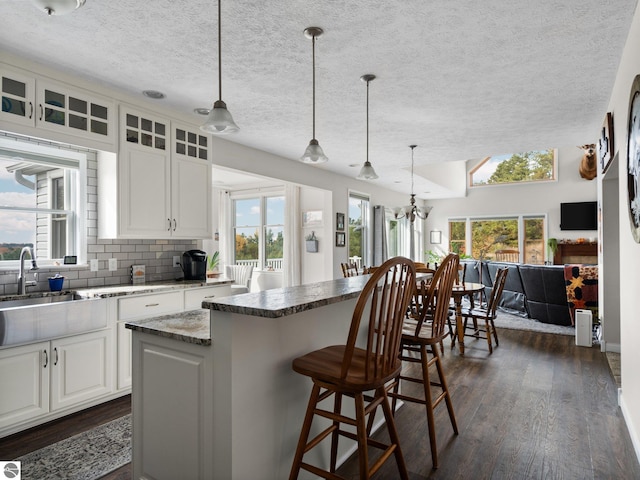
(280, 302)
(191, 327)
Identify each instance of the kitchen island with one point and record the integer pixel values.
(225, 403)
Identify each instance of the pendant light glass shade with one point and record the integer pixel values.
(219, 121)
(58, 7)
(313, 153)
(367, 172)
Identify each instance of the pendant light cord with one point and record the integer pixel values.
(367, 121)
(219, 50)
(313, 54)
(412, 147)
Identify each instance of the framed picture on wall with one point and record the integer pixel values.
(435, 237)
(340, 221)
(633, 159)
(605, 143)
(340, 239)
(312, 218)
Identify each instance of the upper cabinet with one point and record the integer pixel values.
(163, 180)
(32, 104)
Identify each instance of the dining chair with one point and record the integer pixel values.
(485, 314)
(420, 338)
(350, 371)
(349, 269)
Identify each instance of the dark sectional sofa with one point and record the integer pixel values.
(534, 291)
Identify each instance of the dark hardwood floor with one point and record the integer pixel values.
(539, 407)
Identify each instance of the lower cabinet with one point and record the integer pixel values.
(44, 377)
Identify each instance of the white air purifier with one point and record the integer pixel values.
(584, 336)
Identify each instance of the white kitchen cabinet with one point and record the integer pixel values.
(71, 114)
(124, 357)
(164, 180)
(194, 297)
(81, 368)
(25, 378)
(45, 377)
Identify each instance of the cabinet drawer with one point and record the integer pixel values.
(193, 297)
(140, 306)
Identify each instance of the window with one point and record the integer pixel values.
(524, 234)
(39, 202)
(532, 166)
(358, 228)
(259, 231)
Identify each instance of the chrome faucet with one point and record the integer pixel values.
(22, 276)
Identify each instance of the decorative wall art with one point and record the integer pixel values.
(340, 239)
(633, 159)
(605, 143)
(340, 221)
(435, 237)
(312, 218)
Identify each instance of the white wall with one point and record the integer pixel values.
(535, 198)
(250, 160)
(318, 266)
(629, 249)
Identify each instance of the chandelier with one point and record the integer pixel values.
(412, 211)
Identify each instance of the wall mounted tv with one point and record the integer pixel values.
(579, 216)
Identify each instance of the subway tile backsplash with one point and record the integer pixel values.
(156, 255)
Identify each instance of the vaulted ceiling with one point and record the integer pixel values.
(461, 79)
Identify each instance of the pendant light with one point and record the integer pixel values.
(412, 211)
(367, 172)
(313, 153)
(219, 121)
(58, 7)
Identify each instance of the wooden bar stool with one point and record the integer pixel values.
(420, 339)
(350, 371)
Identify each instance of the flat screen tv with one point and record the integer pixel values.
(579, 216)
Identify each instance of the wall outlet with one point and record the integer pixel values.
(113, 264)
(176, 261)
(94, 265)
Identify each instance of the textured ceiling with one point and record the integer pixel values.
(461, 79)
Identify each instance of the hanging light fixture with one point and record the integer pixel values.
(412, 211)
(367, 172)
(219, 120)
(58, 7)
(313, 153)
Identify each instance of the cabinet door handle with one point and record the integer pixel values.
(152, 304)
(46, 358)
(175, 224)
(41, 112)
(56, 352)
(169, 220)
(30, 109)
(210, 296)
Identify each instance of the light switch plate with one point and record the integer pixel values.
(94, 265)
(113, 264)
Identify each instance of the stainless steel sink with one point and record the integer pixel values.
(43, 317)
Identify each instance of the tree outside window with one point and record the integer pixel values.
(532, 166)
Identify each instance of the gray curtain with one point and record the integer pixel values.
(379, 235)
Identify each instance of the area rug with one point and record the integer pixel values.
(86, 456)
(514, 322)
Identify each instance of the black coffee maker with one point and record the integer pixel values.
(194, 265)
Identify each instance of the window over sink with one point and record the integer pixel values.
(40, 192)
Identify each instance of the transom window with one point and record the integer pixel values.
(39, 202)
(532, 166)
(259, 231)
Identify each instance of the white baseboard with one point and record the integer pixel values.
(610, 347)
(635, 438)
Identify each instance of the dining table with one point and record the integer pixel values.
(459, 291)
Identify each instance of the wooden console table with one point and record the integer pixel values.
(566, 250)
